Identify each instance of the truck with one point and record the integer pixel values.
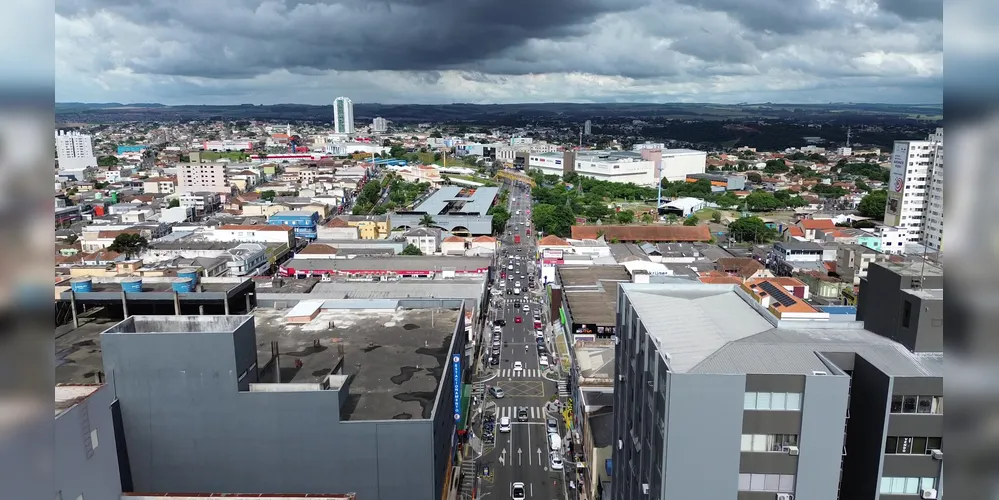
(516, 240)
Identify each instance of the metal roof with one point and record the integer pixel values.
(478, 202)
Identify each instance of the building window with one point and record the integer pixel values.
(906, 485)
(783, 483)
(772, 401)
(917, 404)
(906, 313)
(768, 442)
(908, 445)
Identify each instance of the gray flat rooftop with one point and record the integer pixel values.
(596, 362)
(393, 263)
(713, 329)
(417, 288)
(78, 351)
(156, 284)
(913, 268)
(397, 356)
(457, 200)
(591, 292)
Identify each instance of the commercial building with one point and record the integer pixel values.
(379, 125)
(369, 227)
(228, 145)
(86, 451)
(221, 404)
(459, 210)
(75, 153)
(252, 234)
(587, 127)
(388, 268)
(915, 190)
(302, 221)
(719, 396)
(198, 177)
(343, 115)
(644, 167)
(723, 182)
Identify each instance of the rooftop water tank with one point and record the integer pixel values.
(81, 285)
(182, 285)
(190, 273)
(131, 285)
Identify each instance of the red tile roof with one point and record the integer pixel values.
(484, 239)
(817, 224)
(643, 233)
(454, 239)
(317, 249)
(796, 231)
(554, 241)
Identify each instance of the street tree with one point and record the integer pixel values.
(411, 249)
(873, 204)
(693, 220)
(427, 220)
(751, 229)
(129, 244)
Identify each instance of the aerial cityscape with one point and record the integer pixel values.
(423, 268)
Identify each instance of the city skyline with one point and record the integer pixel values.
(691, 51)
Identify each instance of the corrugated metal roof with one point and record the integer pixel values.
(443, 289)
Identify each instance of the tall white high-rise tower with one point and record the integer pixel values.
(915, 190)
(343, 115)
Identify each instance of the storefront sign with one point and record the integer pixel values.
(456, 368)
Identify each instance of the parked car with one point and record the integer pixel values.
(496, 392)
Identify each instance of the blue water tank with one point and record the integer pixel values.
(189, 273)
(182, 285)
(81, 285)
(131, 285)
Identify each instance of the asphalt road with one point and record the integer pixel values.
(521, 455)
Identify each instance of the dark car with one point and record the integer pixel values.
(494, 360)
(542, 350)
(522, 415)
(499, 322)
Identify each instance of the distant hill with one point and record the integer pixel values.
(497, 114)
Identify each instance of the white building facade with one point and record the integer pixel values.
(915, 190)
(379, 125)
(343, 115)
(200, 177)
(75, 153)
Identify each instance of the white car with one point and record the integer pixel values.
(516, 284)
(518, 492)
(504, 424)
(518, 366)
(543, 361)
(538, 334)
(509, 267)
(527, 308)
(555, 460)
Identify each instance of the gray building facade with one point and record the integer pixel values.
(716, 398)
(86, 450)
(197, 418)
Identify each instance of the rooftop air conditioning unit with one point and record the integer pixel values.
(791, 450)
(785, 496)
(928, 494)
(936, 454)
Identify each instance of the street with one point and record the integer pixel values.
(513, 364)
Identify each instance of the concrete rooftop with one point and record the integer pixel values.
(397, 356)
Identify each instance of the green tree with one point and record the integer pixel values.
(873, 204)
(776, 166)
(411, 249)
(107, 161)
(672, 219)
(267, 195)
(716, 217)
(691, 221)
(379, 210)
(129, 244)
(427, 220)
(751, 229)
(754, 177)
(646, 218)
(552, 219)
(625, 217)
(173, 203)
(762, 201)
(500, 217)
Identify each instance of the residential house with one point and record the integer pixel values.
(159, 185)
(203, 202)
(743, 268)
(338, 229)
(483, 244)
(453, 245)
(427, 239)
(371, 227)
(787, 256)
(304, 222)
(318, 251)
(810, 226)
(262, 208)
(247, 259)
(885, 239)
(852, 262)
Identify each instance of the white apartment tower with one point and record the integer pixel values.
(343, 115)
(75, 153)
(379, 125)
(203, 177)
(915, 190)
(587, 127)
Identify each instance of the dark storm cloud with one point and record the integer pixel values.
(776, 16)
(235, 39)
(914, 10)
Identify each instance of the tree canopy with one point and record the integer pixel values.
(411, 249)
(129, 244)
(873, 204)
(751, 229)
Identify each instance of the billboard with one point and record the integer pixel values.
(551, 253)
(896, 183)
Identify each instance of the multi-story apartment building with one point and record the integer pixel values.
(915, 190)
(379, 125)
(588, 127)
(198, 177)
(159, 185)
(303, 222)
(75, 153)
(343, 115)
(720, 394)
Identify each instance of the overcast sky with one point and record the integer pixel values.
(498, 51)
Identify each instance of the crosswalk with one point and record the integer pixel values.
(563, 389)
(525, 373)
(534, 412)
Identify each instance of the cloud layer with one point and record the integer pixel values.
(433, 51)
